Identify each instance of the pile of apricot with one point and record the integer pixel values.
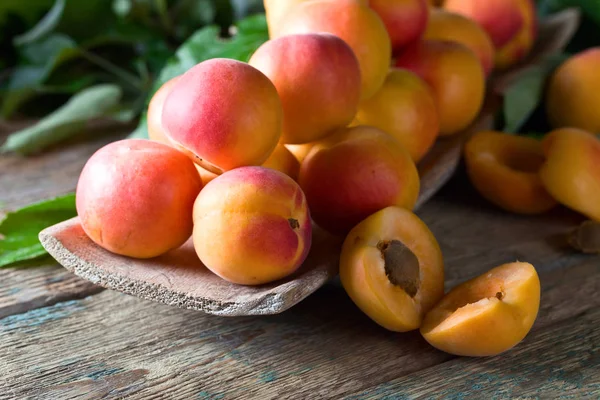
(324, 125)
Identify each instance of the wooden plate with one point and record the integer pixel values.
(179, 279)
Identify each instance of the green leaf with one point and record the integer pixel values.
(94, 102)
(590, 8)
(206, 44)
(44, 26)
(19, 230)
(524, 95)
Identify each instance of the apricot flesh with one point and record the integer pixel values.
(405, 108)
(316, 100)
(252, 226)
(455, 76)
(571, 172)
(504, 169)
(355, 23)
(224, 114)
(391, 266)
(131, 192)
(354, 173)
(487, 315)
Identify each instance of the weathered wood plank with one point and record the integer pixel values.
(25, 289)
(114, 345)
(562, 361)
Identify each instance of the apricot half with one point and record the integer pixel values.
(392, 268)
(504, 169)
(486, 315)
(252, 226)
(571, 172)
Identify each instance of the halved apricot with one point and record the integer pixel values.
(392, 268)
(571, 172)
(504, 169)
(486, 315)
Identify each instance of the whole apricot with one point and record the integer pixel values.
(487, 315)
(224, 114)
(405, 108)
(504, 169)
(316, 100)
(353, 174)
(571, 173)
(456, 77)
(252, 226)
(355, 23)
(131, 192)
(300, 151)
(391, 266)
(154, 117)
(573, 95)
(511, 24)
(405, 20)
(445, 25)
(283, 160)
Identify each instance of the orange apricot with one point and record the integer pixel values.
(487, 315)
(355, 23)
(354, 173)
(206, 176)
(511, 24)
(300, 151)
(456, 77)
(131, 192)
(571, 173)
(405, 108)
(445, 25)
(405, 20)
(155, 128)
(252, 226)
(316, 99)
(284, 161)
(391, 266)
(573, 96)
(504, 169)
(224, 114)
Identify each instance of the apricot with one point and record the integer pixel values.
(511, 24)
(391, 266)
(316, 100)
(275, 11)
(284, 161)
(252, 226)
(353, 174)
(355, 23)
(205, 175)
(487, 315)
(131, 192)
(405, 108)
(573, 96)
(224, 114)
(405, 20)
(456, 77)
(571, 173)
(445, 25)
(504, 169)
(156, 131)
(300, 151)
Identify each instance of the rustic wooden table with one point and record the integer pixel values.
(62, 337)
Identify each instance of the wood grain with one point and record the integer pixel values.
(111, 345)
(179, 278)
